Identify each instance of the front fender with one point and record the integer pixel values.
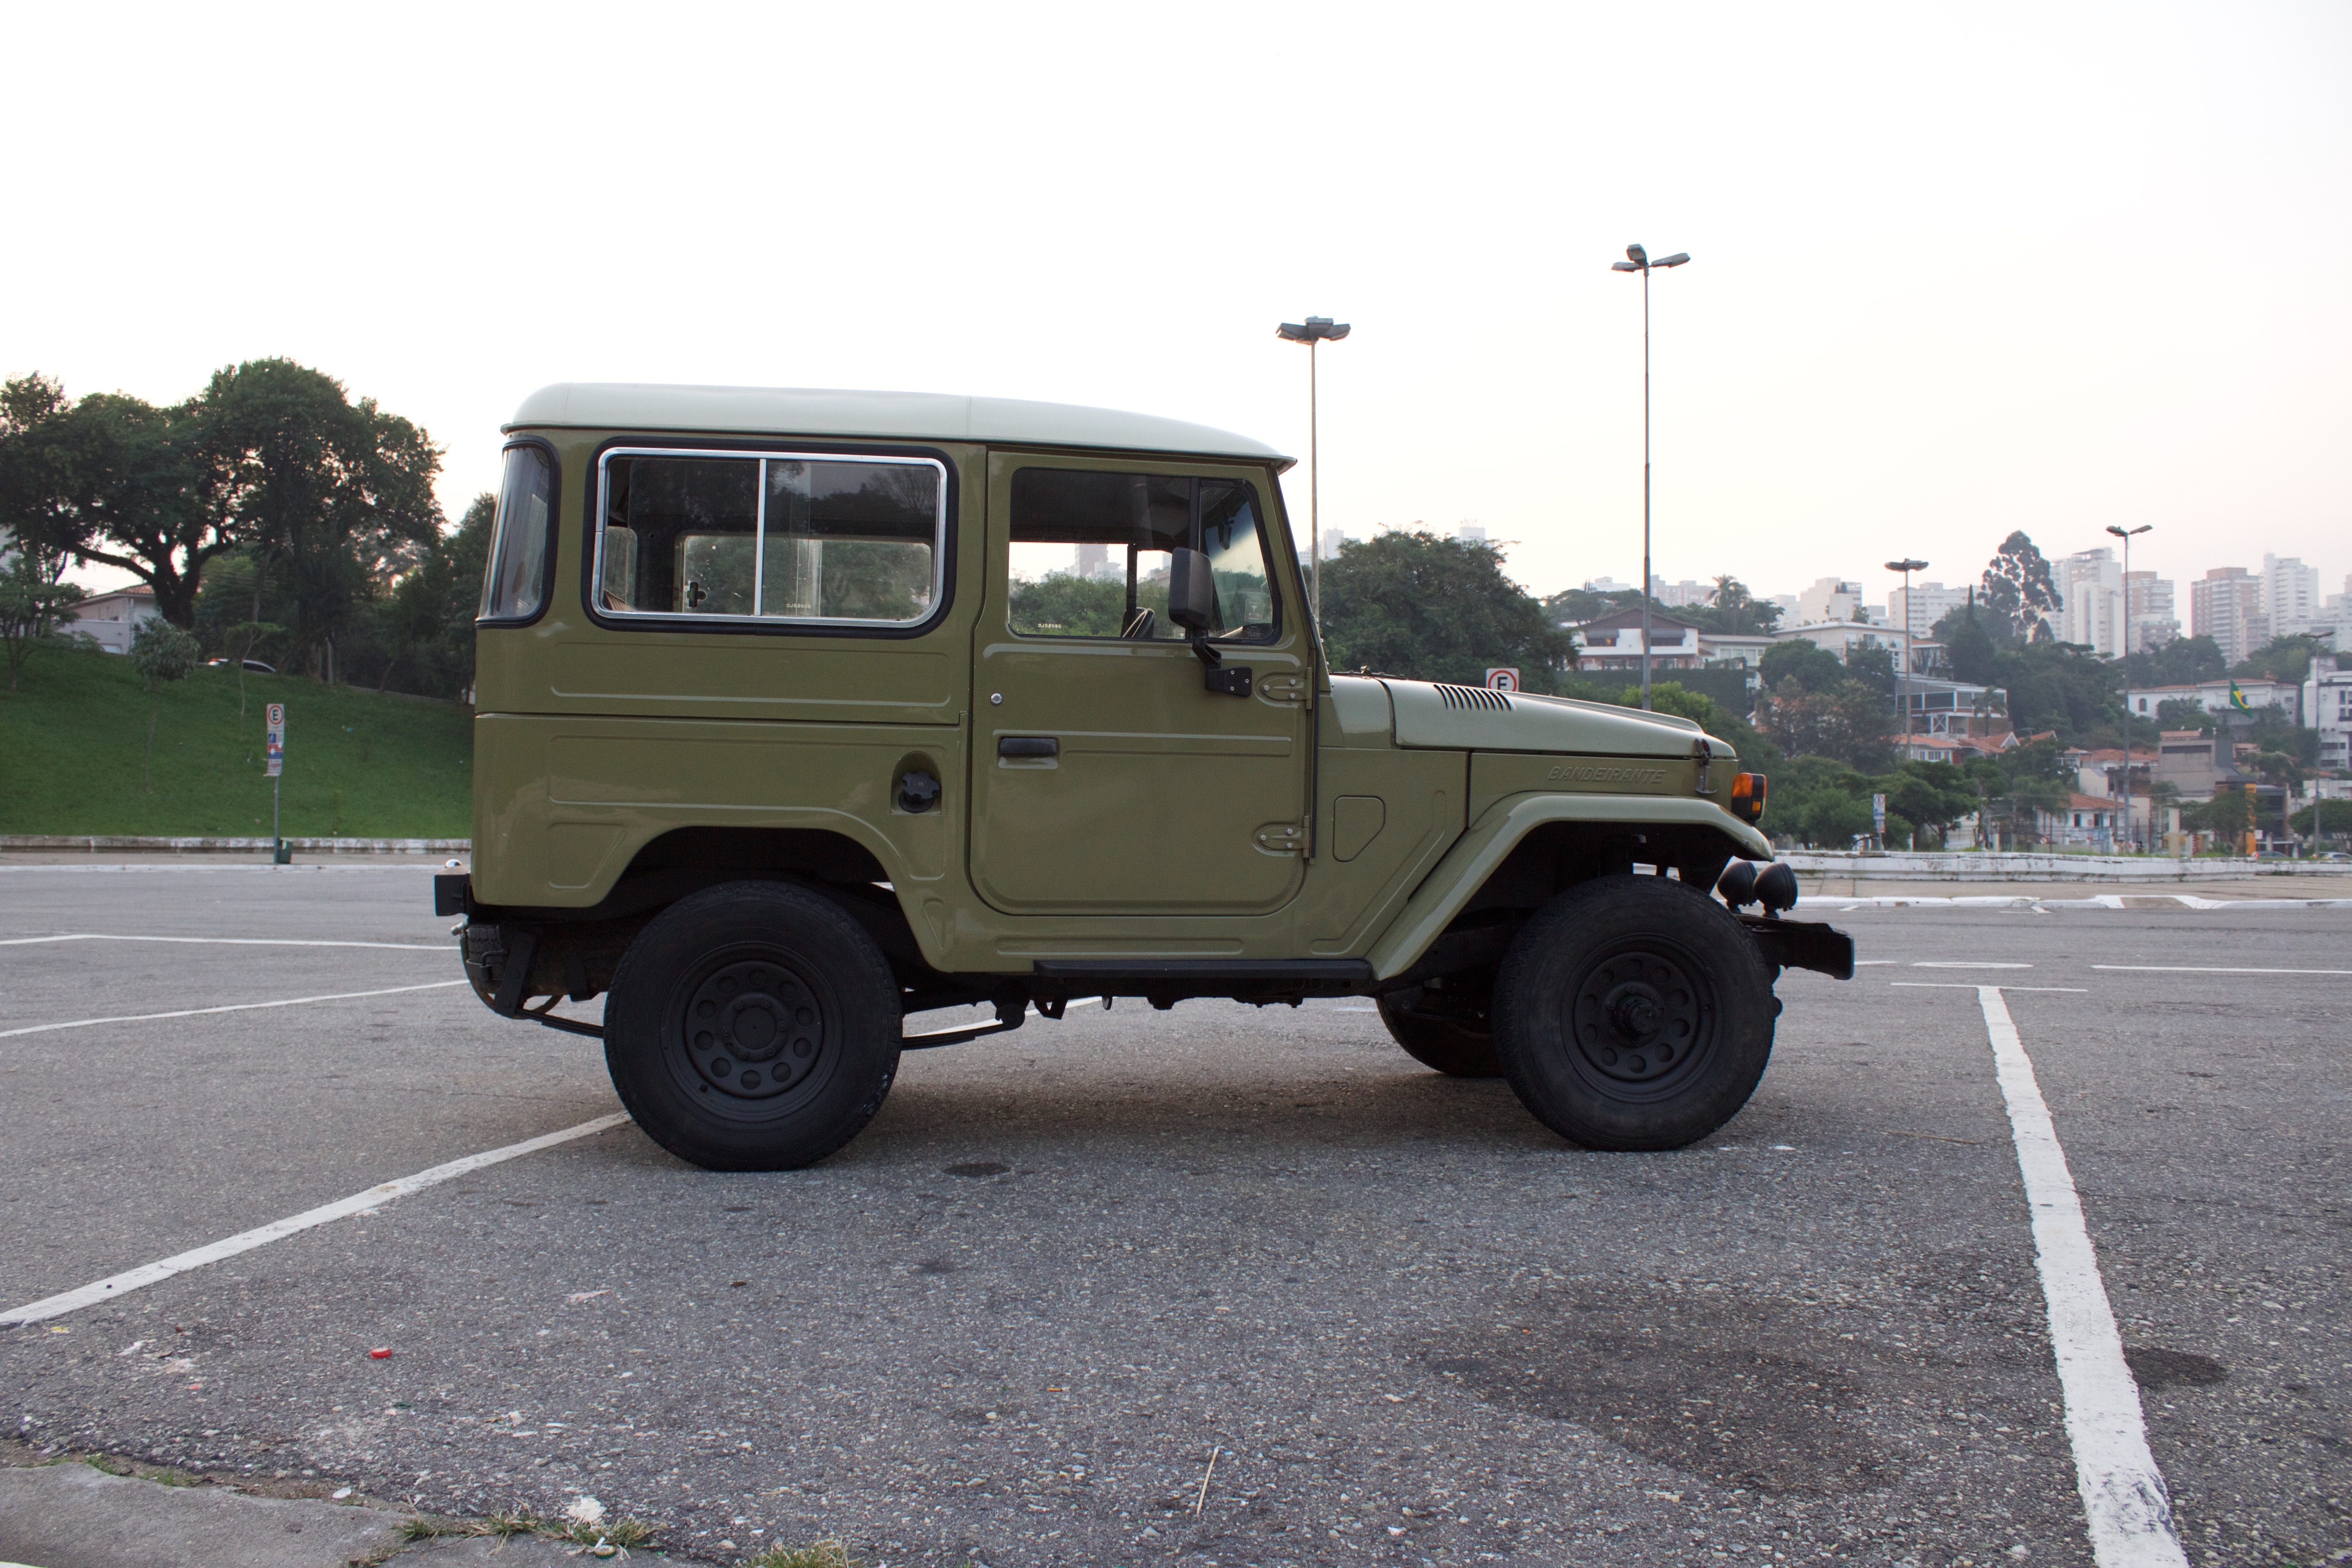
(1494, 834)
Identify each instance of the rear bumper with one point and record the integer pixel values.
(1802, 944)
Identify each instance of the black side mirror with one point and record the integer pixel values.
(1191, 592)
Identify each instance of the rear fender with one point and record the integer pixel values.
(1474, 857)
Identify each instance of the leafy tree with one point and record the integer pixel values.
(1437, 609)
(1874, 667)
(2324, 818)
(1738, 612)
(2184, 713)
(33, 604)
(336, 496)
(1967, 648)
(162, 653)
(2229, 815)
(2183, 661)
(2019, 589)
(1847, 722)
(1813, 667)
(1073, 606)
(2286, 658)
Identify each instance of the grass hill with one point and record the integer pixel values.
(357, 765)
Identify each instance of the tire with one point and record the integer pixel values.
(1633, 1013)
(1454, 1047)
(753, 1026)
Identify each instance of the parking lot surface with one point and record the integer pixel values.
(1218, 1285)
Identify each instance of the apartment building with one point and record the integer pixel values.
(2328, 707)
(2290, 594)
(2226, 605)
(1917, 609)
(2091, 601)
(1829, 599)
(2149, 611)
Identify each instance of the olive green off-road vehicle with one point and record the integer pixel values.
(804, 712)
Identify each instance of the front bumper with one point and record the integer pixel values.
(1802, 944)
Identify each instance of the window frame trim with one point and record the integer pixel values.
(1193, 535)
(546, 449)
(638, 445)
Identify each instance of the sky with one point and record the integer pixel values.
(1956, 270)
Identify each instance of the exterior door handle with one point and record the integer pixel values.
(1028, 746)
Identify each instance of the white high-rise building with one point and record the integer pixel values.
(2091, 600)
(1829, 599)
(2226, 605)
(1929, 603)
(2290, 594)
(1470, 533)
(2149, 608)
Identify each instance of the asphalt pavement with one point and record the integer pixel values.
(1222, 1284)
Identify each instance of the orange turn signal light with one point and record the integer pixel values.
(1748, 797)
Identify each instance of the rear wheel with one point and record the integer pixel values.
(752, 1027)
(1633, 1013)
(1458, 1042)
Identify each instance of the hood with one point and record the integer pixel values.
(1474, 718)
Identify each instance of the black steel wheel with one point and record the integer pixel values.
(752, 1027)
(1633, 1013)
(1458, 1041)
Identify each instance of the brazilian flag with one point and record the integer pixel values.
(2237, 703)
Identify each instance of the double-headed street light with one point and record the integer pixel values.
(1315, 329)
(2125, 535)
(1638, 260)
(1906, 566)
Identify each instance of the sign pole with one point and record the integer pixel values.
(274, 720)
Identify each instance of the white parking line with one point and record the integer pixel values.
(1941, 963)
(225, 942)
(2197, 969)
(233, 1007)
(123, 1284)
(2123, 1493)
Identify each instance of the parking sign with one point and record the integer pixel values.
(275, 723)
(1503, 678)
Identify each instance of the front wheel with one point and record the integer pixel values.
(752, 1027)
(1633, 1013)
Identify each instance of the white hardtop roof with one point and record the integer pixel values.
(890, 415)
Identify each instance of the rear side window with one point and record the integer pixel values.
(514, 577)
(1091, 555)
(824, 540)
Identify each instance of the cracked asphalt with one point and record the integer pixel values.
(1218, 1286)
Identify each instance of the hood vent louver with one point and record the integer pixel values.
(1473, 697)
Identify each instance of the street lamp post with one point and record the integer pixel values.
(1638, 260)
(2125, 535)
(1316, 330)
(1906, 566)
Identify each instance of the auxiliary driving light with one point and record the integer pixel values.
(1748, 797)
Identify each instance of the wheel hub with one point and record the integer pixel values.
(1637, 1015)
(752, 1029)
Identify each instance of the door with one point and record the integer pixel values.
(1109, 778)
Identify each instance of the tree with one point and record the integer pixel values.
(2183, 661)
(1967, 646)
(1847, 722)
(2018, 588)
(2286, 659)
(1437, 609)
(162, 653)
(1073, 606)
(33, 603)
(336, 496)
(1813, 667)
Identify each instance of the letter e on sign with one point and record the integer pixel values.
(1502, 678)
(274, 722)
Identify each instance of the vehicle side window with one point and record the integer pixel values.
(1090, 554)
(514, 576)
(853, 540)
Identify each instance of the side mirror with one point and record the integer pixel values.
(1191, 592)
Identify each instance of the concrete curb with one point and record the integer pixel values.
(98, 844)
(74, 1515)
(2027, 865)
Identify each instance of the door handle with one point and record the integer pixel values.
(1028, 746)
